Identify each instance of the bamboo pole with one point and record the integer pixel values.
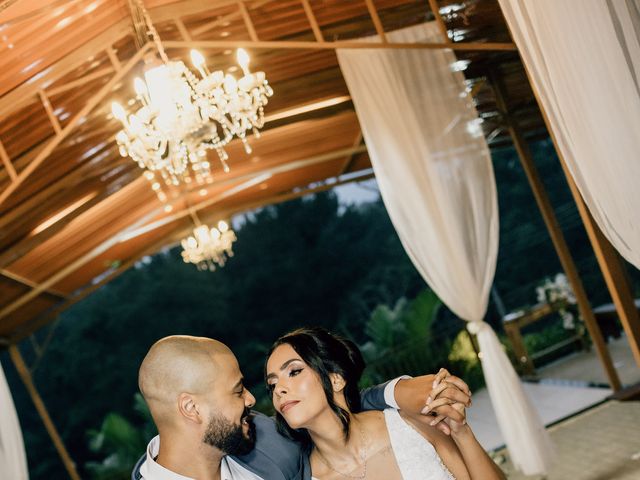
(557, 237)
(23, 371)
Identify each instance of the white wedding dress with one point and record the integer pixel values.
(415, 456)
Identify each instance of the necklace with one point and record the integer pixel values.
(363, 459)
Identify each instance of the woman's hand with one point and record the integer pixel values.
(444, 404)
(446, 398)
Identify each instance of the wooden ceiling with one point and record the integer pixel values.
(73, 213)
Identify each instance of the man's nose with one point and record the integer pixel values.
(249, 399)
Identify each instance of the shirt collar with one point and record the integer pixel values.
(152, 470)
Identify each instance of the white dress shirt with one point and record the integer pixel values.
(151, 470)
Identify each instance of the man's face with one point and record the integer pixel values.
(230, 428)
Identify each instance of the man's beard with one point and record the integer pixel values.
(229, 437)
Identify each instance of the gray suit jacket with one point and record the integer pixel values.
(274, 456)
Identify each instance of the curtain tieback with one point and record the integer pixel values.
(475, 327)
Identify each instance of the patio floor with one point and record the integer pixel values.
(595, 439)
(600, 444)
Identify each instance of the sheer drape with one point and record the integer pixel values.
(435, 174)
(13, 461)
(583, 57)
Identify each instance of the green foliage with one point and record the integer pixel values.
(400, 340)
(464, 361)
(121, 442)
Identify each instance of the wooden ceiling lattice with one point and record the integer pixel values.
(73, 213)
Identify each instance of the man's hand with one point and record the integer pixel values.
(432, 398)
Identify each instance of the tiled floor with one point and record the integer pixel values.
(586, 367)
(600, 444)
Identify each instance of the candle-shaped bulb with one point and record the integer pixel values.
(223, 226)
(118, 112)
(198, 61)
(140, 87)
(243, 60)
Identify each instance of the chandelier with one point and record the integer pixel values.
(209, 247)
(181, 115)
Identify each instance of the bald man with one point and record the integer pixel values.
(194, 389)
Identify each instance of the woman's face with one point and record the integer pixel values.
(296, 389)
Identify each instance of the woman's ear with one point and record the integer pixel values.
(188, 407)
(337, 382)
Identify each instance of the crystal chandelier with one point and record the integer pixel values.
(180, 115)
(208, 247)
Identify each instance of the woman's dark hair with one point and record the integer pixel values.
(325, 353)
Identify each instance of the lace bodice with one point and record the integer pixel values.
(416, 457)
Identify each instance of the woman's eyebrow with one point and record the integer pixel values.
(282, 367)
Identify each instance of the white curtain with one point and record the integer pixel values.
(13, 460)
(583, 57)
(435, 175)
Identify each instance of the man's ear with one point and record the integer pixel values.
(188, 407)
(337, 382)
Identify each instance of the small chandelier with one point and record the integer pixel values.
(181, 115)
(209, 247)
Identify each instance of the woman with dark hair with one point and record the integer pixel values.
(313, 377)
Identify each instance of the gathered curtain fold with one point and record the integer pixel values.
(434, 170)
(13, 460)
(583, 59)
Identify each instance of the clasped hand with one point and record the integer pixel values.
(444, 406)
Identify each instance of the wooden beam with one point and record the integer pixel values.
(28, 283)
(557, 237)
(23, 371)
(7, 162)
(23, 94)
(55, 141)
(81, 81)
(47, 106)
(351, 157)
(220, 21)
(284, 197)
(317, 33)
(376, 20)
(440, 21)
(247, 179)
(113, 57)
(618, 284)
(312, 45)
(184, 33)
(49, 316)
(247, 21)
